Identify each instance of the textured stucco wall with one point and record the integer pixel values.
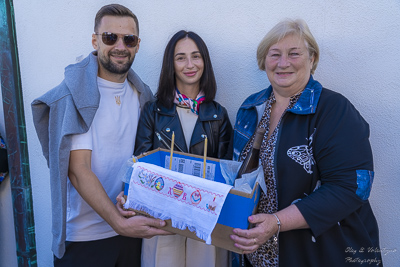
(359, 42)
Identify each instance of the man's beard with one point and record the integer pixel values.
(113, 67)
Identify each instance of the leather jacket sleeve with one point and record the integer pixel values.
(225, 135)
(145, 130)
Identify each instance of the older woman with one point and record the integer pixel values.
(317, 163)
(185, 105)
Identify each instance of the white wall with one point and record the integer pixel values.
(359, 43)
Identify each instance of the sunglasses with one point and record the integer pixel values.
(110, 38)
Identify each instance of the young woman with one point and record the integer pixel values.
(185, 105)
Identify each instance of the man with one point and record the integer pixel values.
(87, 128)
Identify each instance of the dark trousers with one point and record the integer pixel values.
(117, 251)
(239, 260)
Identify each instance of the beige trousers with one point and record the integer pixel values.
(179, 251)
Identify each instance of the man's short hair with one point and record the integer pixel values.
(114, 10)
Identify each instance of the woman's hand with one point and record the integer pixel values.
(120, 206)
(250, 240)
(266, 226)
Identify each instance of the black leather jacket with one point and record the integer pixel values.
(157, 123)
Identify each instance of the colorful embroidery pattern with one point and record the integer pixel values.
(146, 178)
(195, 197)
(159, 183)
(212, 205)
(179, 191)
(188, 201)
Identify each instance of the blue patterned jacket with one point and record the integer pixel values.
(323, 164)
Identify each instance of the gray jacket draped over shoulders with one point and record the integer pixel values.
(69, 109)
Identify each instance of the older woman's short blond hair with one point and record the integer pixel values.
(281, 30)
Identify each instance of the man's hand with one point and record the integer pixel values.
(91, 190)
(120, 206)
(141, 227)
(138, 226)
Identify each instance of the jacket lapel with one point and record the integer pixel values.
(207, 114)
(169, 123)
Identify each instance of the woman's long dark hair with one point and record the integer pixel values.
(166, 86)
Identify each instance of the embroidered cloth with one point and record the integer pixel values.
(190, 202)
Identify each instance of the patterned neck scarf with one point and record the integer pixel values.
(184, 101)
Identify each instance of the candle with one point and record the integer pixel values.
(205, 157)
(172, 150)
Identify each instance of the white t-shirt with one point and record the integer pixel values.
(111, 138)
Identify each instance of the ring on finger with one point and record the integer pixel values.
(255, 241)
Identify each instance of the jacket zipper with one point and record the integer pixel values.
(211, 137)
(162, 140)
(165, 143)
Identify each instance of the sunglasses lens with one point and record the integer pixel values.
(109, 38)
(130, 40)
